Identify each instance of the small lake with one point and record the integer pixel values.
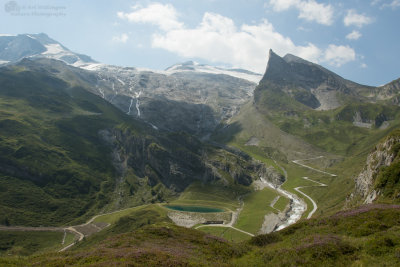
(194, 208)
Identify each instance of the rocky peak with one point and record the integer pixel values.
(277, 68)
(390, 90)
(307, 82)
(294, 70)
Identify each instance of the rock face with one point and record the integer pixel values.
(187, 97)
(383, 156)
(195, 102)
(308, 83)
(177, 160)
(389, 91)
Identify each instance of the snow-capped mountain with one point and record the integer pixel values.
(185, 97)
(16, 47)
(193, 101)
(191, 66)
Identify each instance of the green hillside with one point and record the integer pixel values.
(67, 154)
(367, 236)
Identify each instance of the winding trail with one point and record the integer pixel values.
(298, 205)
(311, 168)
(71, 229)
(307, 196)
(315, 206)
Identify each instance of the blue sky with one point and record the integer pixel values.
(358, 39)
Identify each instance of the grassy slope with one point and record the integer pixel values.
(331, 134)
(226, 233)
(256, 206)
(363, 237)
(216, 195)
(368, 236)
(55, 166)
(27, 243)
(281, 203)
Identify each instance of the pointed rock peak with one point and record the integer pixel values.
(272, 54)
(276, 66)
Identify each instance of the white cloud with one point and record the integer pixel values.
(363, 65)
(354, 35)
(281, 5)
(337, 55)
(309, 10)
(312, 11)
(354, 19)
(393, 5)
(217, 39)
(163, 16)
(122, 38)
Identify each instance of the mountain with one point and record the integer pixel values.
(16, 47)
(207, 95)
(67, 153)
(136, 152)
(287, 121)
(309, 101)
(310, 84)
(160, 98)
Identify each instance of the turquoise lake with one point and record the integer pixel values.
(194, 208)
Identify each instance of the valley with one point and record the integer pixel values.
(194, 164)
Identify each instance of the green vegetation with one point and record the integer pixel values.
(113, 217)
(281, 204)
(23, 243)
(227, 233)
(256, 206)
(59, 146)
(55, 166)
(387, 181)
(211, 195)
(126, 221)
(367, 236)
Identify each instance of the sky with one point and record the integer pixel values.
(357, 39)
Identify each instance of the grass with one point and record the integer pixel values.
(55, 164)
(209, 195)
(116, 215)
(281, 203)
(227, 233)
(256, 206)
(18, 243)
(367, 236)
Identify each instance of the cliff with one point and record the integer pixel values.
(379, 179)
